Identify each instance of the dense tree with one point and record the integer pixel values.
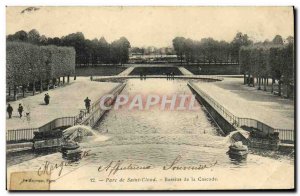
(124, 45)
(267, 59)
(179, 47)
(238, 41)
(189, 50)
(288, 72)
(28, 64)
(282, 62)
(290, 39)
(18, 36)
(137, 50)
(245, 63)
(209, 50)
(34, 37)
(223, 51)
(278, 40)
(43, 40)
(103, 51)
(77, 41)
(54, 41)
(88, 52)
(119, 51)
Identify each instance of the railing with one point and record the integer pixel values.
(285, 135)
(20, 135)
(208, 77)
(96, 112)
(25, 135)
(255, 124)
(59, 122)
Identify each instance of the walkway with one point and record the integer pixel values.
(184, 71)
(126, 72)
(65, 101)
(247, 102)
(209, 77)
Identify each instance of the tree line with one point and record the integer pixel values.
(258, 60)
(88, 52)
(150, 50)
(32, 65)
(274, 60)
(208, 50)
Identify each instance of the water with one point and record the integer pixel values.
(157, 137)
(79, 129)
(84, 134)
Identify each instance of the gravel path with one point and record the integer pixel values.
(248, 102)
(64, 101)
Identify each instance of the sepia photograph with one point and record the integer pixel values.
(150, 98)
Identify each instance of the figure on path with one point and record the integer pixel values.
(9, 110)
(87, 104)
(20, 110)
(47, 99)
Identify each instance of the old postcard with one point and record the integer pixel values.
(150, 98)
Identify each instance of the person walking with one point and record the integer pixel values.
(20, 110)
(47, 99)
(87, 104)
(9, 110)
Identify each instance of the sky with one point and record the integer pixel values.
(154, 26)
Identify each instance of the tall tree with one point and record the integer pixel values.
(34, 37)
(43, 40)
(238, 41)
(290, 39)
(278, 40)
(125, 45)
(77, 40)
(120, 50)
(54, 41)
(18, 36)
(189, 50)
(103, 51)
(178, 44)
